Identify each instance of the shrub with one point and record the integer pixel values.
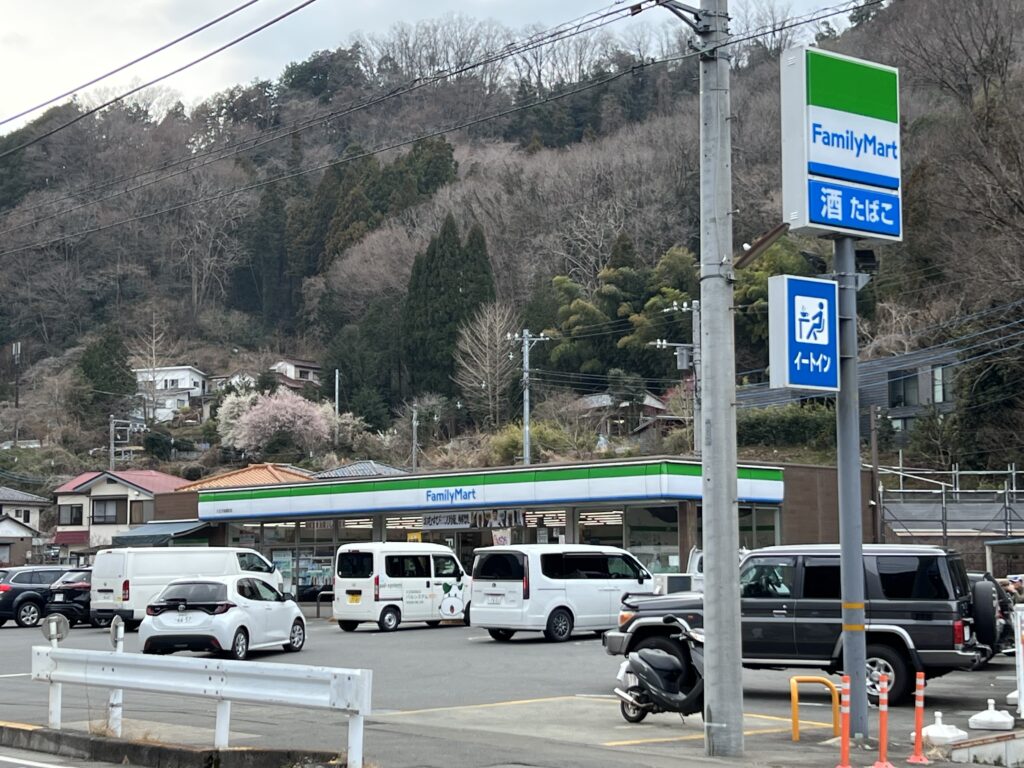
(812, 425)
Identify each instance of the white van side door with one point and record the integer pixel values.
(448, 593)
(408, 578)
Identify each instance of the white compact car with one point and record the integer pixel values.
(223, 614)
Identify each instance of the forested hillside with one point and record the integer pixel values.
(394, 207)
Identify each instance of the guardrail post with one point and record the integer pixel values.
(220, 737)
(883, 724)
(114, 704)
(56, 689)
(844, 744)
(354, 755)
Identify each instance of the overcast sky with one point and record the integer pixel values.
(50, 46)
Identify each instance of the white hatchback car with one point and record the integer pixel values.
(223, 614)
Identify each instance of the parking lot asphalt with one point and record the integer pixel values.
(453, 697)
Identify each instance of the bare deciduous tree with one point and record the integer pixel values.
(485, 363)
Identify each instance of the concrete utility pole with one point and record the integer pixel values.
(876, 496)
(723, 688)
(527, 341)
(415, 438)
(337, 412)
(111, 447)
(16, 354)
(851, 533)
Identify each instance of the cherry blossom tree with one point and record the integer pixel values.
(282, 414)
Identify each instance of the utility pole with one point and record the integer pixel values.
(415, 439)
(111, 447)
(688, 359)
(876, 495)
(527, 341)
(16, 353)
(337, 412)
(723, 690)
(851, 533)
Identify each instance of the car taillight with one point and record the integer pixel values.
(526, 579)
(126, 590)
(958, 632)
(154, 610)
(223, 608)
(5, 587)
(376, 588)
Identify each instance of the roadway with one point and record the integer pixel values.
(452, 697)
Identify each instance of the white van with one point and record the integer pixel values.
(392, 582)
(126, 580)
(553, 588)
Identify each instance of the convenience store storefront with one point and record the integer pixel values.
(650, 507)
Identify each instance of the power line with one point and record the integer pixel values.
(557, 33)
(131, 63)
(156, 80)
(825, 13)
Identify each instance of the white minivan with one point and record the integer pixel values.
(126, 580)
(553, 588)
(392, 582)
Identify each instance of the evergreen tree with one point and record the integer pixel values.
(105, 366)
(268, 249)
(447, 284)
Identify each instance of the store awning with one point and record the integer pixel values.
(157, 534)
(71, 538)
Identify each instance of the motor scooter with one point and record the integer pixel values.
(656, 681)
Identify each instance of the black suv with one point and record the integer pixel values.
(24, 590)
(919, 606)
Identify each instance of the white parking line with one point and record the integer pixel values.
(31, 764)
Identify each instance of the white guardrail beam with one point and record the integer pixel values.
(245, 682)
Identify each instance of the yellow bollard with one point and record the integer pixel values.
(794, 701)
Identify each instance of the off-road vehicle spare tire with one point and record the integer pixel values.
(986, 612)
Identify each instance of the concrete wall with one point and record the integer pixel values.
(20, 548)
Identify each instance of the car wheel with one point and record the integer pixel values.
(2, 622)
(348, 626)
(465, 615)
(986, 613)
(132, 625)
(239, 646)
(296, 638)
(28, 614)
(559, 628)
(501, 635)
(884, 659)
(433, 624)
(389, 619)
(99, 623)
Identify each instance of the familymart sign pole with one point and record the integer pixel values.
(841, 179)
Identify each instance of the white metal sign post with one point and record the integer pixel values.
(841, 179)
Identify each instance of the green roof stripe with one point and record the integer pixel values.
(850, 86)
(538, 475)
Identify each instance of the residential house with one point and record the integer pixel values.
(622, 417)
(94, 506)
(16, 541)
(901, 386)
(244, 378)
(296, 374)
(166, 390)
(23, 507)
(362, 468)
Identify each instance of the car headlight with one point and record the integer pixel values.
(625, 617)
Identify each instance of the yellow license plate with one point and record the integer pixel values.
(353, 598)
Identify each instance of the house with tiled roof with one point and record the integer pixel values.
(16, 541)
(296, 374)
(94, 506)
(360, 468)
(21, 506)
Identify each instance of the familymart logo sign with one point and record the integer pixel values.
(841, 145)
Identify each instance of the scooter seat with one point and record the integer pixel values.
(660, 660)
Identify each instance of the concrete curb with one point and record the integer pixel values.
(85, 746)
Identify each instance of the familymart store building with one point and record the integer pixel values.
(650, 506)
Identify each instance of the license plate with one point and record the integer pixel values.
(184, 618)
(58, 598)
(353, 599)
(494, 599)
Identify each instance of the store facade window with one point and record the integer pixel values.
(651, 534)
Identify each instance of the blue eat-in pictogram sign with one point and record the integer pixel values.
(803, 330)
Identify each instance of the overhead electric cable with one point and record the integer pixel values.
(836, 10)
(154, 81)
(131, 63)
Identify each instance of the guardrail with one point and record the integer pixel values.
(225, 681)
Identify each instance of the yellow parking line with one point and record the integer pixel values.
(21, 726)
(691, 737)
(477, 706)
(808, 723)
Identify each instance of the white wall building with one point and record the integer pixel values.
(166, 390)
(23, 507)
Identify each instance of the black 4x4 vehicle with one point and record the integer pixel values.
(23, 592)
(919, 606)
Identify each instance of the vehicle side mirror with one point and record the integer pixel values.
(458, 577)
(642, 577)
(287, 596)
